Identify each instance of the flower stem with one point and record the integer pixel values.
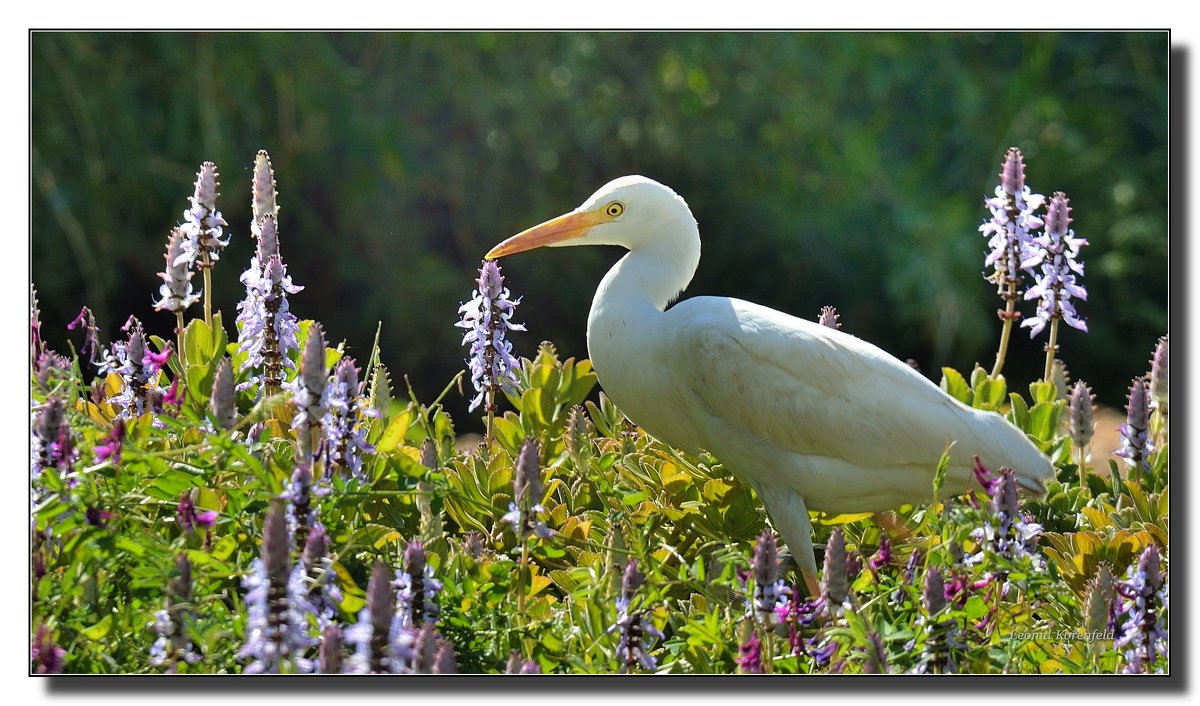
(521, 584)
(1009, 315)
(768, 648)
(491, 414)
(1051, 349)
(207, 293)
(1083, 470)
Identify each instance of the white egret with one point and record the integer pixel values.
(809, 416)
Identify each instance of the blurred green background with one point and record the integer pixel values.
(832, 168)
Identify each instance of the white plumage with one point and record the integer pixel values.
(811, 417)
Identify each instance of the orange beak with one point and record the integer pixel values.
(555, 231)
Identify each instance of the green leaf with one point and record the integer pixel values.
(976, 607)
(395, 431)
(224, 547)
(955, 386)
(99, 630)
(1018, 412)
(130, 546)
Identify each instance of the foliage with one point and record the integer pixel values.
(818, 165)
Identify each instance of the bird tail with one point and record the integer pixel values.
(1014, 449)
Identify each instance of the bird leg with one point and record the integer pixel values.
(790, 516)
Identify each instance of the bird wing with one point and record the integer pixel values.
(818, 391)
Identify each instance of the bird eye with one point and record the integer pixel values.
(614, 209)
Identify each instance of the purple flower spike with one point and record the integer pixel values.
(263, 192)
(45, 656)
(1141, 626)
(523, 512)
(1014, 217)
(1057, 251)
(155, 362)
(633, 624)
(110, 450)
(986, 480)
(344, 424)
(176, 292)
(311, 398)
(267, 329)
(416, 589)
(91, 340)
(883, 557)
(835, 585)
(382, 646)
(829, 318)
(1006, 533)
(1080, 415)
(770, 591)
(749, 658)
(276, 629)
(222, 403)
(1159, 374)
(487, 318)
(1136, 443)
(203, 225)
(330, 658)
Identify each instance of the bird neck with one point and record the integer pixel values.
(653, 274)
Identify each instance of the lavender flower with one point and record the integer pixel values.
(634, 625)
(425, 647)
(203, 224)
(1136, 443)
(311, 398)
(1098, 607)
(487, 318)
(315, 572)
(329, 659)
(579, 444)
(829, 317)
(876, 661)
(416, 589)
(1056, 251)
(188, 519)
(267, 329)
(222, 403)
(749, 657)
(36, 346)
(472, 544)
(382, 646)
(835, 584)
(110, 450)
(1080, 415)
(345, 436)
(882, 557)
(263, 193)
(516, 665)
(96, 517)
(1159, 375)
(46, 657)
(50, 442)
(139, 390)
(301, 515)
(1014, 208)
(527, 492)
(770, 591)
(173, 643)
(276, 636)
(940, 635)
(1141, 628)
(176, 290)
(445, 661)
(91, 340)
(1006, 533)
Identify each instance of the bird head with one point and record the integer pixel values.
(631, 211)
